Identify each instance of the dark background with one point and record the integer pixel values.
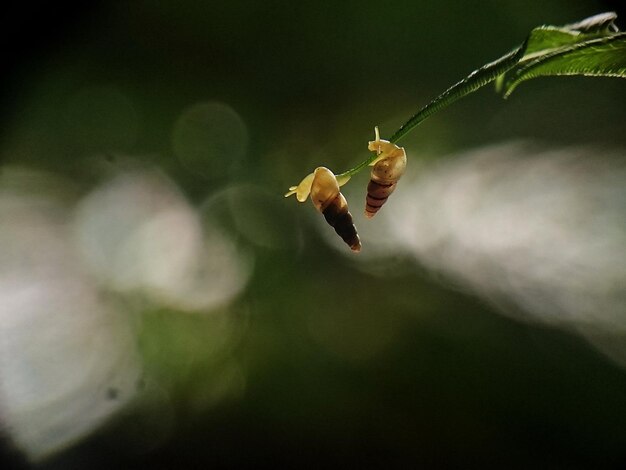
(459, 384)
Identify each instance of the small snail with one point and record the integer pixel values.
(388, 168)
(323, 187)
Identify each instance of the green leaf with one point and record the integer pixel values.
(603, 57)
(547, 38)
(590, 47)
(549, 42)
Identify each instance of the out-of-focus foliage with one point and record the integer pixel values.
(163, 306)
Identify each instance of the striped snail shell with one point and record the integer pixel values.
(387, 170)
(327, 199)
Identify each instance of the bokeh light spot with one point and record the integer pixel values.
(138, 234)
(63, 346)
(210, 139)
(541, 233)
(256, 215)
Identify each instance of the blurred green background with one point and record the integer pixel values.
(281, 349)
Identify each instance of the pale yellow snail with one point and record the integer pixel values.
(387, 169)
(323, 187)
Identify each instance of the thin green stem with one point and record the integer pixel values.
(471, 83)
(475, 80)
(359, 167)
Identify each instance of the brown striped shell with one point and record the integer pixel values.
(387, 170)
(328, 199)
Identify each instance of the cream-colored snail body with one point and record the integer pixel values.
(387, 169)
(323, 187)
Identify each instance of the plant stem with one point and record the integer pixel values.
(477, 79)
